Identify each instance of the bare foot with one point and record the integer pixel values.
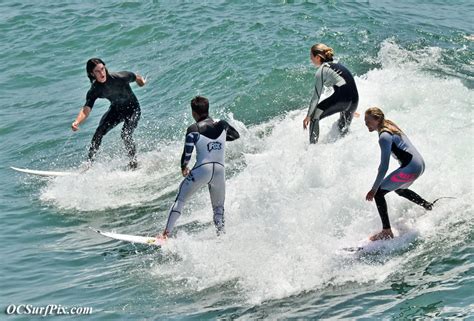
(161, 238)
(385, 234)
(85, 166)
(428, 206)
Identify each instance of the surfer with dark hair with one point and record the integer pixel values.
(393, 141)
(209, 138)
(344, 100)
(124, 106)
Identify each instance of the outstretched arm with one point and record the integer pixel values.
(83, 114)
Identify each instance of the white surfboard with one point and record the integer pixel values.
(147, 240)
(398, 243)
(43, 173)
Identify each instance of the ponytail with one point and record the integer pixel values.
(324, 52)
(385, 125)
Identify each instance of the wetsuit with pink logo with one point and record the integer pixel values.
(411, 167)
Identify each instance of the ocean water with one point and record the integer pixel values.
(290, 207)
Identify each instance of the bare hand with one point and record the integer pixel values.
(370, 196)
(140, 80)
(185, 171)
(75, 126)
(306, 122)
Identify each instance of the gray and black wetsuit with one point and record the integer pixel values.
(209, 137)
(124, 107)
(344, 100)
(411, 167)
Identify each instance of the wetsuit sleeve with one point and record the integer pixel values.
(318, 90)
(91, 97)
(128, 76)
(192, 135)
(231, 132)
(333, 78)
(385, 142)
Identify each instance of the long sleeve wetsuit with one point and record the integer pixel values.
(411, 167)
(344, 100)
(209, 138)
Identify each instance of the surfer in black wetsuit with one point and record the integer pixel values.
(344, 100)
(124, 106)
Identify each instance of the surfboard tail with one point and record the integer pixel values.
(136, 239)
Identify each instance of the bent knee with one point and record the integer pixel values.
(400, 191)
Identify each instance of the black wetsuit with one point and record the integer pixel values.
(124, 107)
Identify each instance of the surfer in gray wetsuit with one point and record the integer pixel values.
(124, 106)
(344, 100)
(393, 141)
(208, 137)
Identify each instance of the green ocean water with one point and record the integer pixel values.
(289, 206)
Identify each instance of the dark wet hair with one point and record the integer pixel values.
(200, 105)
(91, 63)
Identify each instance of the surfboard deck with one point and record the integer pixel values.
(353, 249)
(398, 243)
(404, 237)
(43, 173)
(146, 240)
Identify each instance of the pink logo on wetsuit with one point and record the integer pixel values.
(403, 177)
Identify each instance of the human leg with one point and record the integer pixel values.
(382, 207)
(108, 121)
(398, 180)
(381, 203)
(333, 104)
(197, 178)
(217, 193)
(415, 198)
(129, 126)
(346, 116)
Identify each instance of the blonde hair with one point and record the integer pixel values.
(323, 51)
(385, 125)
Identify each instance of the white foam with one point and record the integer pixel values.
(294, 205)
(109, 185)
(290, 206)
